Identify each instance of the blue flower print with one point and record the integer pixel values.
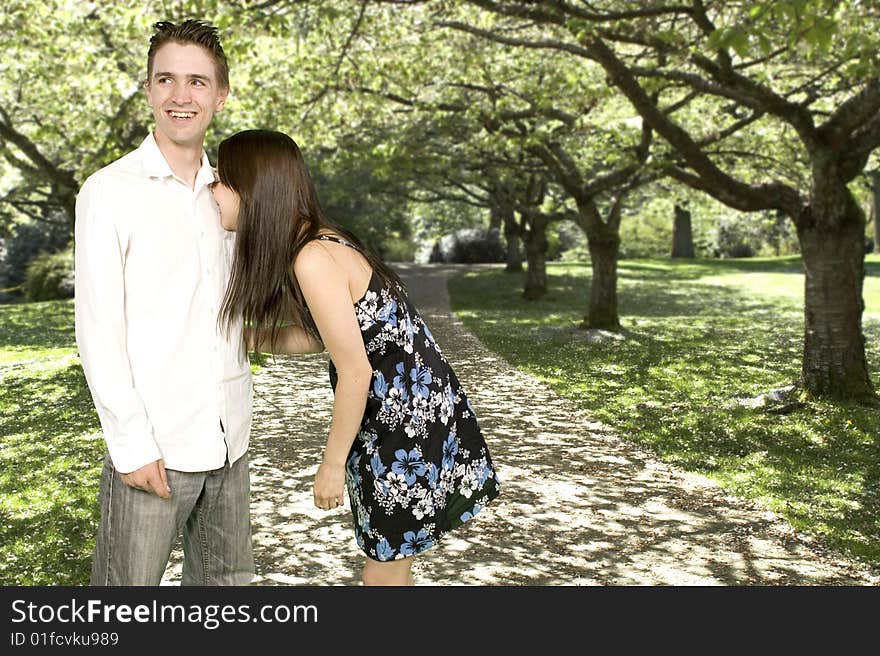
(433, 475)
(421, 377)
(400, 381)
(409, 465)
(352, 466)
(483, 473)
(388, 314)
(469, 514)
(450, 449)
(408, 333)
(413, 544)
(384, 550)
(380, 385)
(428, 334)
(377, 466)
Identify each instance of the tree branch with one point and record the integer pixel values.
(850, 115)
(775, 196)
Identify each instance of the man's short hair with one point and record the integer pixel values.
(197, 32)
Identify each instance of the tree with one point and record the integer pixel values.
(875, 207)
(812, 67)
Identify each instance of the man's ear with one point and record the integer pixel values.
(221, 99)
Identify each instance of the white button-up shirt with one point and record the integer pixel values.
(152, 264)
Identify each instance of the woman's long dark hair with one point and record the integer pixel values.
(279, 213)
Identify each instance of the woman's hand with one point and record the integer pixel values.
(329, 486)
(290, 339)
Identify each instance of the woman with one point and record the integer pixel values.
(403, 437)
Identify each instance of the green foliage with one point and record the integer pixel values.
(50, 276)
(397, 249)
(814, 28)
(25, 241)
(817, 467)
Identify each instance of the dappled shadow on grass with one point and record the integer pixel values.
(671, 382)
(44, 325)
(50, 460)
(568, 296)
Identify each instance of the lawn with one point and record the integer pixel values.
(697, 336)
(51, 449)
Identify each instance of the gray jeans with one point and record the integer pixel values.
(138, 529)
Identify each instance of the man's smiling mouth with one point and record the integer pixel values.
(180, 115)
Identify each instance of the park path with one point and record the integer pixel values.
(579, 505)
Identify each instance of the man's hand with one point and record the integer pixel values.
(149, 478)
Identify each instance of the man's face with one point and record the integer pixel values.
(184, 93)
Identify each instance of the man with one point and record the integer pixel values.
(172, 391)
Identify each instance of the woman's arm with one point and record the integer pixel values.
(291, 339)
(326, 290)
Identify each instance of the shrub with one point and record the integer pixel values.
(50, 276)
(469, 245)
(747, 235)
(24, 242)
(398, 249)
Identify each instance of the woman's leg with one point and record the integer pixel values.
(392, 572)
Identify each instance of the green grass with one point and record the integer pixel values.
(51, 449)
(698, 335)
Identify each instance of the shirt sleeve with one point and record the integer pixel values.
(101, 330)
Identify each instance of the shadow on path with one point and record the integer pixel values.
(578, 505)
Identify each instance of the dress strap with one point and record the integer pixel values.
(338, 240)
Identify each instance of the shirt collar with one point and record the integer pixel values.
(155, 165)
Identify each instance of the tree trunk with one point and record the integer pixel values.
(875, 208)
(832, 240)
(512, 235)
(682, 235)
(535, 238)
(603, 240)
(602, 312)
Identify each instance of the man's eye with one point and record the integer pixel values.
(198, 83)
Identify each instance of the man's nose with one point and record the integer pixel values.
(181, 94)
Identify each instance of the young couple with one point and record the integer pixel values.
(178, 272)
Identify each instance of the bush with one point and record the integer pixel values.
(469, 245)
(398, 249)
(50, 276)
(25, 242)
(747, 235)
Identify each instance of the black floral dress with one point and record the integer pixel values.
(419, 466)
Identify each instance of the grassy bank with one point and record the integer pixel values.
(697, 336)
